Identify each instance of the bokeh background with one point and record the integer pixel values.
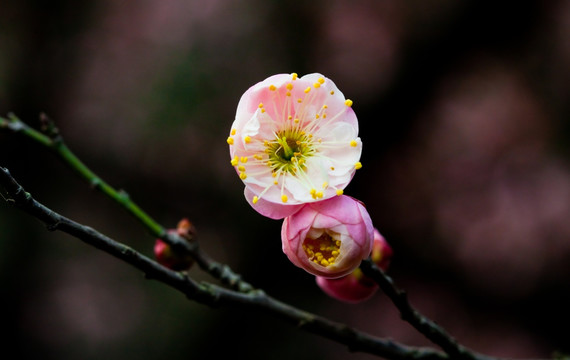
(463, 110)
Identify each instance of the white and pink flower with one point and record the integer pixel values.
(328, 238)
(294, 141)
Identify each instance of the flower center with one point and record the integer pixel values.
(289, 151)
(323, 250)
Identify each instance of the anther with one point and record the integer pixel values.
(272, 87)
(241, 168)
(321, 80)
(242, 176)
(348, 102)
(234, 161)
(255, 200)
(230, 140)
(294, 76)
(353, 143)
(339, 192)
(247, 139)
(289, 86)
(243, 159)
(307, 89)
(317, 85)
(284, 198)
(234, 131)
(358, 165)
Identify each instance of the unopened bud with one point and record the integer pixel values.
(169, 258)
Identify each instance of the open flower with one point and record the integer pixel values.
(328, 238)
(356, 287)
(294, 141)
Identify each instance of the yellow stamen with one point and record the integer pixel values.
(294, 76)
(358, 165)
(339, 192)
(247, 139)
(234, 131)
(243, 159)
(272, 87)
(307, 89)
(284, 198)
(230, 140)
(317, 85)
(289, 86)
(242, 176)
(241, 168)
(234, 161)
(255, 200)
(348, 102)
(353, 143)
(321, 80)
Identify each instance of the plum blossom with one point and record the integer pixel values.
(328, 238)
(356, 287)
(294, 140)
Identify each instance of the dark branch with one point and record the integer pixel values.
(210, 294)
(427, 327)
(52, 139)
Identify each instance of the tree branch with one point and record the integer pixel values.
(52, 139)
(425, 326)
(207, 293)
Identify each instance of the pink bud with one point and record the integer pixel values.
(356, 287)
(328, 238)
(168, 258)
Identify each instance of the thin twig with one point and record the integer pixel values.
(210, 294)
(425, 326)
(53, 140)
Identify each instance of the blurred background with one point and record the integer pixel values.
(463, 110)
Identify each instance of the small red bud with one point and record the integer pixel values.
(170, 259)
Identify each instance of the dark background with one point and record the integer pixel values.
(463, 110)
